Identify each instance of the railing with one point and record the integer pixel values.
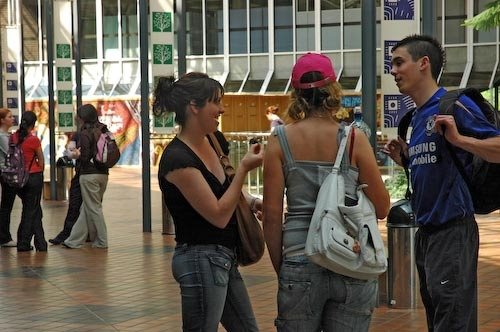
(239, 144)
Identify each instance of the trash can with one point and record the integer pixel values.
(64, 173)
(167, 220)
(402, 276)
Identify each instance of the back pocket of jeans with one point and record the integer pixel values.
(220, 269)
(294, 299)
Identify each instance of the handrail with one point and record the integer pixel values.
(239, 143)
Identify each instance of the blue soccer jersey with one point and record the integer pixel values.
(439, 192)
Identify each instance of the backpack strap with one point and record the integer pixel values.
(279, 131)
(31, 163)
(447, 105)
(11, 140)
(16, 142)
(448, 100)
(403, 125)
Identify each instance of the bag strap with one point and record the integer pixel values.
(447, 107)
(351, 146)
(215, 143)
(340, 152)
(223, 158)
(285, 147)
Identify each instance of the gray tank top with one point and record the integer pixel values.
(302, 182)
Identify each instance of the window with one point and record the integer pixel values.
(352, 24)
(483, 36)
(283, 32)
(237, 27)
(330, 25)
(194, 27)
(130, 31)
(305, 5)
(305, 25)
(30, 31)
(484, 62)
(259, 41)
(214, 29)
(110, 30)
(454, 18)
(89, 40)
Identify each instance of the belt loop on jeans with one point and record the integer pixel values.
(216, 247)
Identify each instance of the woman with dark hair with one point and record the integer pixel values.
(298, 158)
(93, 183)
(202, 202)
(8, 193)
(31, 193)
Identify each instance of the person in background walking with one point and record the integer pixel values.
(273, 117)
(8, 193)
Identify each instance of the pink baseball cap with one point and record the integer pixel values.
(313, 62)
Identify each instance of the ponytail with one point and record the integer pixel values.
(28, 121)
(171, 96)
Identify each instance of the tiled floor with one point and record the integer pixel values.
(129, 287)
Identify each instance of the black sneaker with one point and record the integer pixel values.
(55, 241)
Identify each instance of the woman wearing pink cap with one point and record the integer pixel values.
(298, 158)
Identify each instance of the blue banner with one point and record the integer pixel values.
(399, 10)
(396, 106)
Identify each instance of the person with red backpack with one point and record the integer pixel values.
(31, 192)
(93, 182)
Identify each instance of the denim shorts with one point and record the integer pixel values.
(212, 289)
(312, 298)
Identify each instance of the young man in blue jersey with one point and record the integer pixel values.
(447, 241)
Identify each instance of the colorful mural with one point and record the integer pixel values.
(121, 116)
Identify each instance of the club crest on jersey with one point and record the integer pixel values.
(430, 125)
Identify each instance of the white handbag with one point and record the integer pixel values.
(345, 239)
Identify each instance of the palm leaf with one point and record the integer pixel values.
(487, 19)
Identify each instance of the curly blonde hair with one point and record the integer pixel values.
(325, 99)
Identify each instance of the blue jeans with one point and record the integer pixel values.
(312, 298)
(212, 289)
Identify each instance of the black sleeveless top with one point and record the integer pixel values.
(190, 226)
